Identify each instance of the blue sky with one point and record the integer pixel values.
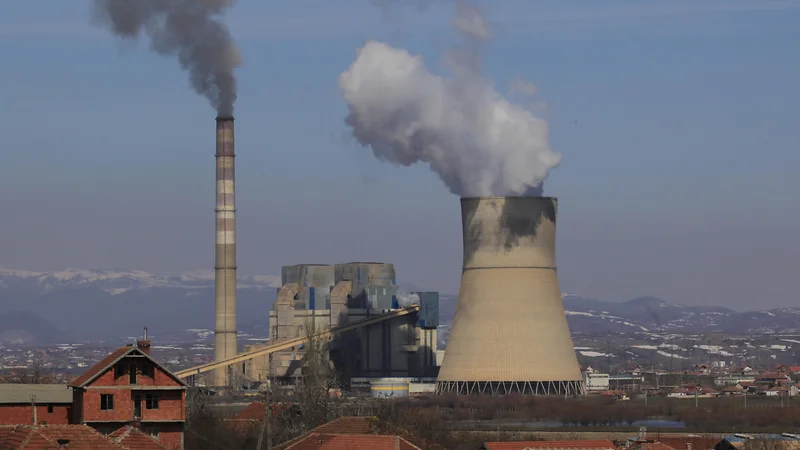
(676, 120)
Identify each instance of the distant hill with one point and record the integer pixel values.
(101, 305)
(654, 314)
(23, 328)
(586, 315)
(110, 305)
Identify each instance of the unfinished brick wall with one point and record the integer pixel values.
(123, 406)
(171, 434)
(170, 405)
(23, 414)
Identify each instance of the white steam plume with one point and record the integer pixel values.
(406, 300)
(188, 29)
(478, 142)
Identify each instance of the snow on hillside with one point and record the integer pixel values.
(117, 282)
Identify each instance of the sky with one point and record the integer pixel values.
(677, 122)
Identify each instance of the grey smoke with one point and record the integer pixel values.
(476, 140)
(188, 29)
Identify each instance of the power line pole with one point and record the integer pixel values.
(266, 425)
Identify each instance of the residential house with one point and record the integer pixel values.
(731, 379)
(702, 369)
(35, 404)
(773, 378)
(129, 387)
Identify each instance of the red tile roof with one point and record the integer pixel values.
(349, 425)
(561, 445)
(256, 411)
(109, 361)
(657, 446)
(79, 437)
(362, 426)
(317, 441)
(698, 443)
(133, 439)
(771, 375)
(99, 368)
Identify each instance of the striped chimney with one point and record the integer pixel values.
(225, 342)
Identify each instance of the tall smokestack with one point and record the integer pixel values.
(225, 342)
(510, 333)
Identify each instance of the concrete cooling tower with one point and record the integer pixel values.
(510, 333)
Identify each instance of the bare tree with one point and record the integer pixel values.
(196, 405)
(36, 373)
(318, 381)
(763, 443)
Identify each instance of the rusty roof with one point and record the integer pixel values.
(108, 362)
(318, 441)
(560, 445)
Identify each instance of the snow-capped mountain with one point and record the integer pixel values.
(654, 315)
(650, 314)
(104, 304)
(117, 282)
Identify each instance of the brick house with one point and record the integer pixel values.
(129, 387)
(35, 404)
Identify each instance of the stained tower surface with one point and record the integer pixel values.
(510, 333)
(225, 332)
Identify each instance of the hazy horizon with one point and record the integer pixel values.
(676, 122)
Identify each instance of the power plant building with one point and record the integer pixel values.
(510, 333)
(316, 297)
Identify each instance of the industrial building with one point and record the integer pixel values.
(509, 333)
(316, 297)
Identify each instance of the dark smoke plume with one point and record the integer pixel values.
(189, 29)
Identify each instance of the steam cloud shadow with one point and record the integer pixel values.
(517, 221)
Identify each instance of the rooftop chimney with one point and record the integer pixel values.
(144, 343)
(225, 344)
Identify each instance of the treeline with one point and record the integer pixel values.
(434, 422)
(705, 415)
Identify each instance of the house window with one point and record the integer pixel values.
(106, 402)
(148, 370)
(151, 401)
(132, 374)
(153, 431)
(49, 409)
(119, 370)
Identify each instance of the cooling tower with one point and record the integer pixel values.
(510, 333)
(225, 344)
